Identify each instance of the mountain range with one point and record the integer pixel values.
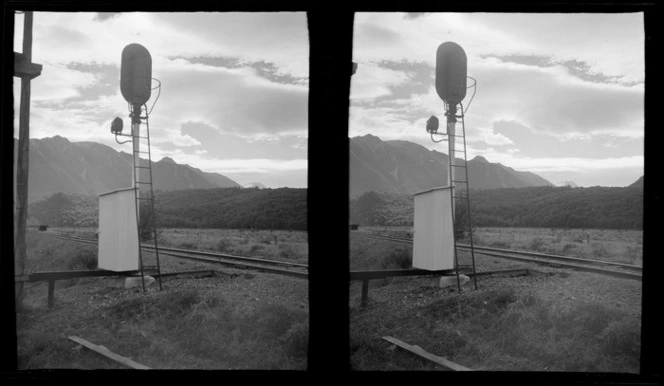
(405, 168)
(90, 168)
(401, 167)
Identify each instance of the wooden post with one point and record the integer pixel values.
(22, 166)
(365, 292)
(51, 293)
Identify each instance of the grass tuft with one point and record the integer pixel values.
(286, 251)
(187, 245)
(536, 244)
(224, 245)
(498, 244)
(397, 258)
(256, 249)
(193, 325)
(598, 250)
(296, 339)
(510, 330)
(83, 259)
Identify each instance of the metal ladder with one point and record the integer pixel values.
(462, 194)
(144, 191)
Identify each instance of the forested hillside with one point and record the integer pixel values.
(545, 206)
(375, 208)
(563, 207)
(284, 208)
(65, 210)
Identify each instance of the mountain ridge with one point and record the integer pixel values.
(90, 168)
(398, 166)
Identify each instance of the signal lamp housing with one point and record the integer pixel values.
(136, 74)
(432, 124)
(451, 73)
(116, 126)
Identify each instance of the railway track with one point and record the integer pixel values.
(272, 266)
(616, 269)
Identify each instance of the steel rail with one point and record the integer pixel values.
(610, 272)
(231, 257)
(391, 238)
(539, 258)
(526, 253)
(558, 257)
(202, 253)
(286, 272)
(383, 273)
(217, 258)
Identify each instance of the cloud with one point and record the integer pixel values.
(103, 16)
(253, 105)
(231, 100)
(57, 83)
(560, 164)
(611, 44)
(234, 165)
(385, 121)
(561, 95)
(180, 140)
(554, 101)
(494, 139)
(546, 100)
(584, 171)
(372, 81)
(280, 38)
(262, 165)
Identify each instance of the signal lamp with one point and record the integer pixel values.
(116, 126)
(432, 124)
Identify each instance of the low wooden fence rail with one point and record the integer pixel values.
(52, 276)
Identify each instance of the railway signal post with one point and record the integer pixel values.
(438, 246)
(135, 86)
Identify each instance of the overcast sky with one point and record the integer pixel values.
(234, 92)
(560, 95)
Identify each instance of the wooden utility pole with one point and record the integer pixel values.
(26, 70)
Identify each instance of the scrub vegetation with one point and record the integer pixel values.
(227, 208)
(543, 207)
(496, 328)
(547, 320)
(615, 245)
(274, 245)
(281, 245)
(229, 319)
